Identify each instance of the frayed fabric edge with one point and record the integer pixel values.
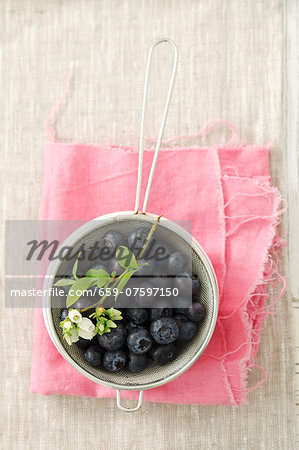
(268, 270)
(252, 321)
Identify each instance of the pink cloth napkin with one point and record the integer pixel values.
(226, 193)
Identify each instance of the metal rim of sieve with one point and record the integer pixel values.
(88, 228)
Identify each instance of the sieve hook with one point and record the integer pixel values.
(123, 408)
(165, 112)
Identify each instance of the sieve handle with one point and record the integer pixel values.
(122, 408)
(165, 112)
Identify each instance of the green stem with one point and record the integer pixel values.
(149, 236)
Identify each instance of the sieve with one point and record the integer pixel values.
(125, 221)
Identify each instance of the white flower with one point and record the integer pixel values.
(75, 316)
(71, 336)
(86, 324)
(86, 335)
(67, 325)
(86, 328)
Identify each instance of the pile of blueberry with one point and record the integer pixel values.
(145, 333)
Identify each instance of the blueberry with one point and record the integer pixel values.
(116, 267)
(147, 269)
(99, 266)
(123, 312)
(139, 341)
(196, 313)
(187, 284)
(86, 300)
(114, 360)
(163, 354)
(113, 239)
(181, 303)
(137, 363)
(123, 301)
(163, 281)
(65, 289)
(115, 339)
(164, 330)
(137, 239)
(90, 260)
(181, 311)
(93, 355)
(83, 265)
(183, 283)
(156, 313)
(64, 313)
(145, 296)
(109, 302)
(126, 299)
(165, 302)
(157, 250)
(187, 328)
(85, 343)
(176, 263)
(160, 253)
(97, 259)
(137, 315)
(195, 285)
(131, 326)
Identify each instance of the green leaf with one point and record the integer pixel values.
(123, 281)
(91, 273)
(64, 282)
(103, 274)
(102, 282)
(79, 285)
(75, 267)
(143, 264)
(126, 257)
(103, 278)
(100, 276)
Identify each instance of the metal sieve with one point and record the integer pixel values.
(125, 222)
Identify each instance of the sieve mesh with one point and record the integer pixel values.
(153, 374)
